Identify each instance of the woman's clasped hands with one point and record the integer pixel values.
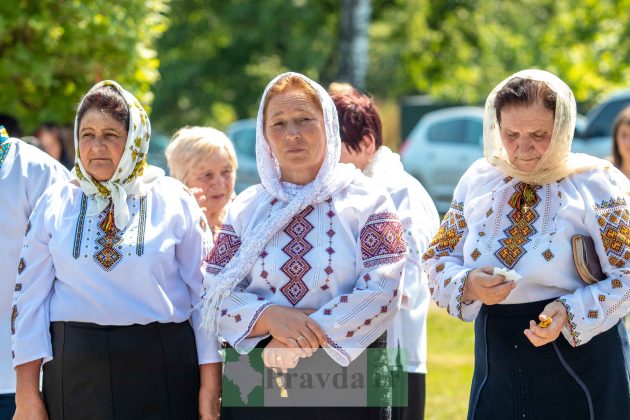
(294, 335)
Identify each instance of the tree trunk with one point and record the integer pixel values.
(354, 22)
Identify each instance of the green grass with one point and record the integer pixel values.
(450, 366)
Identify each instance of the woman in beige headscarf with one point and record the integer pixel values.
(503, 257)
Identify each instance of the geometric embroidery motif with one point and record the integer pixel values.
(296, 266)
(450, 233)
(547, 255)
(382, 240)
(78, 234)
(4, 147)
(107, 256)
(522, 218)
(14, 314)
(614, 227)
(475, 254)
(226, 246)
(21, 266)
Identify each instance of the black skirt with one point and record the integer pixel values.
(515, 380)
(378, 374)
(122, 372)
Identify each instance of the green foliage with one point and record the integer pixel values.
(52, 52)
(217, 56)
(460, 49)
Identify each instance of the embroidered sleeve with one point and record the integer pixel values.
(596, 308)
(354, 320)
(35, 276)
(190, 253)
(240, 310)
(444, 262)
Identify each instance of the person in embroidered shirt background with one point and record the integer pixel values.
(25, 173)
(108, 274)
(518, 209)
(362, 139)
(311, 257)
(204, 159)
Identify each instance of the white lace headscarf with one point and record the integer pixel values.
(558, 161)
(132, 176)
(331, 178)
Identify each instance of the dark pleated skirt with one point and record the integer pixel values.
(122, 372)
(515, 380)
(381, 375)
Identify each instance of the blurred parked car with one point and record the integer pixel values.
(440, 148)
(243, 135)
(596, 138)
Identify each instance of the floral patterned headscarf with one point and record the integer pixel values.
(132, 176)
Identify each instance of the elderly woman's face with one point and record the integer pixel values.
(294, 129)
(215, 176)
(102, 141)
(526, 133)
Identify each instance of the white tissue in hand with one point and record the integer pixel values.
(509, 275)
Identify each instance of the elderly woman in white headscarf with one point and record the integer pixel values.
(547, 343)
(110, 269)
(312, 257)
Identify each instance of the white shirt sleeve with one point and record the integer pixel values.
(598, 307)
(190, 252)
(30, 320)
(354, 320)
(444, 260)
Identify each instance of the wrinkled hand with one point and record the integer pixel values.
(30, 408)
(277, 355)
(200, 196)
(486, 287)
(293, 328)
(539, 336)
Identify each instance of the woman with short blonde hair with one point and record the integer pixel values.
(204, 159)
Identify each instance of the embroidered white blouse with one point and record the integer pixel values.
(25, 173)
(72, 270)
(343, 257)
(483, 229)
(420, 221)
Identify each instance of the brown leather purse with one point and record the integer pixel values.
(586, 259)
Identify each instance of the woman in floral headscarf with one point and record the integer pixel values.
(109, 272)
(547, 344)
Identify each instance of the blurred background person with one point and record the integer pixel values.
(25, 173)
(621, 160)
(621, 142)
(362, 145)
(519, 208)
(53, 142)
(204, 159)
(107, 277)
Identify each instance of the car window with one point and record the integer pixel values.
(601, 126)
(474, 131)
(460, 130)
(245, 141)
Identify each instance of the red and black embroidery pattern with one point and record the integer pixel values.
(297, 267)
(382, 240)
(227, 244)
